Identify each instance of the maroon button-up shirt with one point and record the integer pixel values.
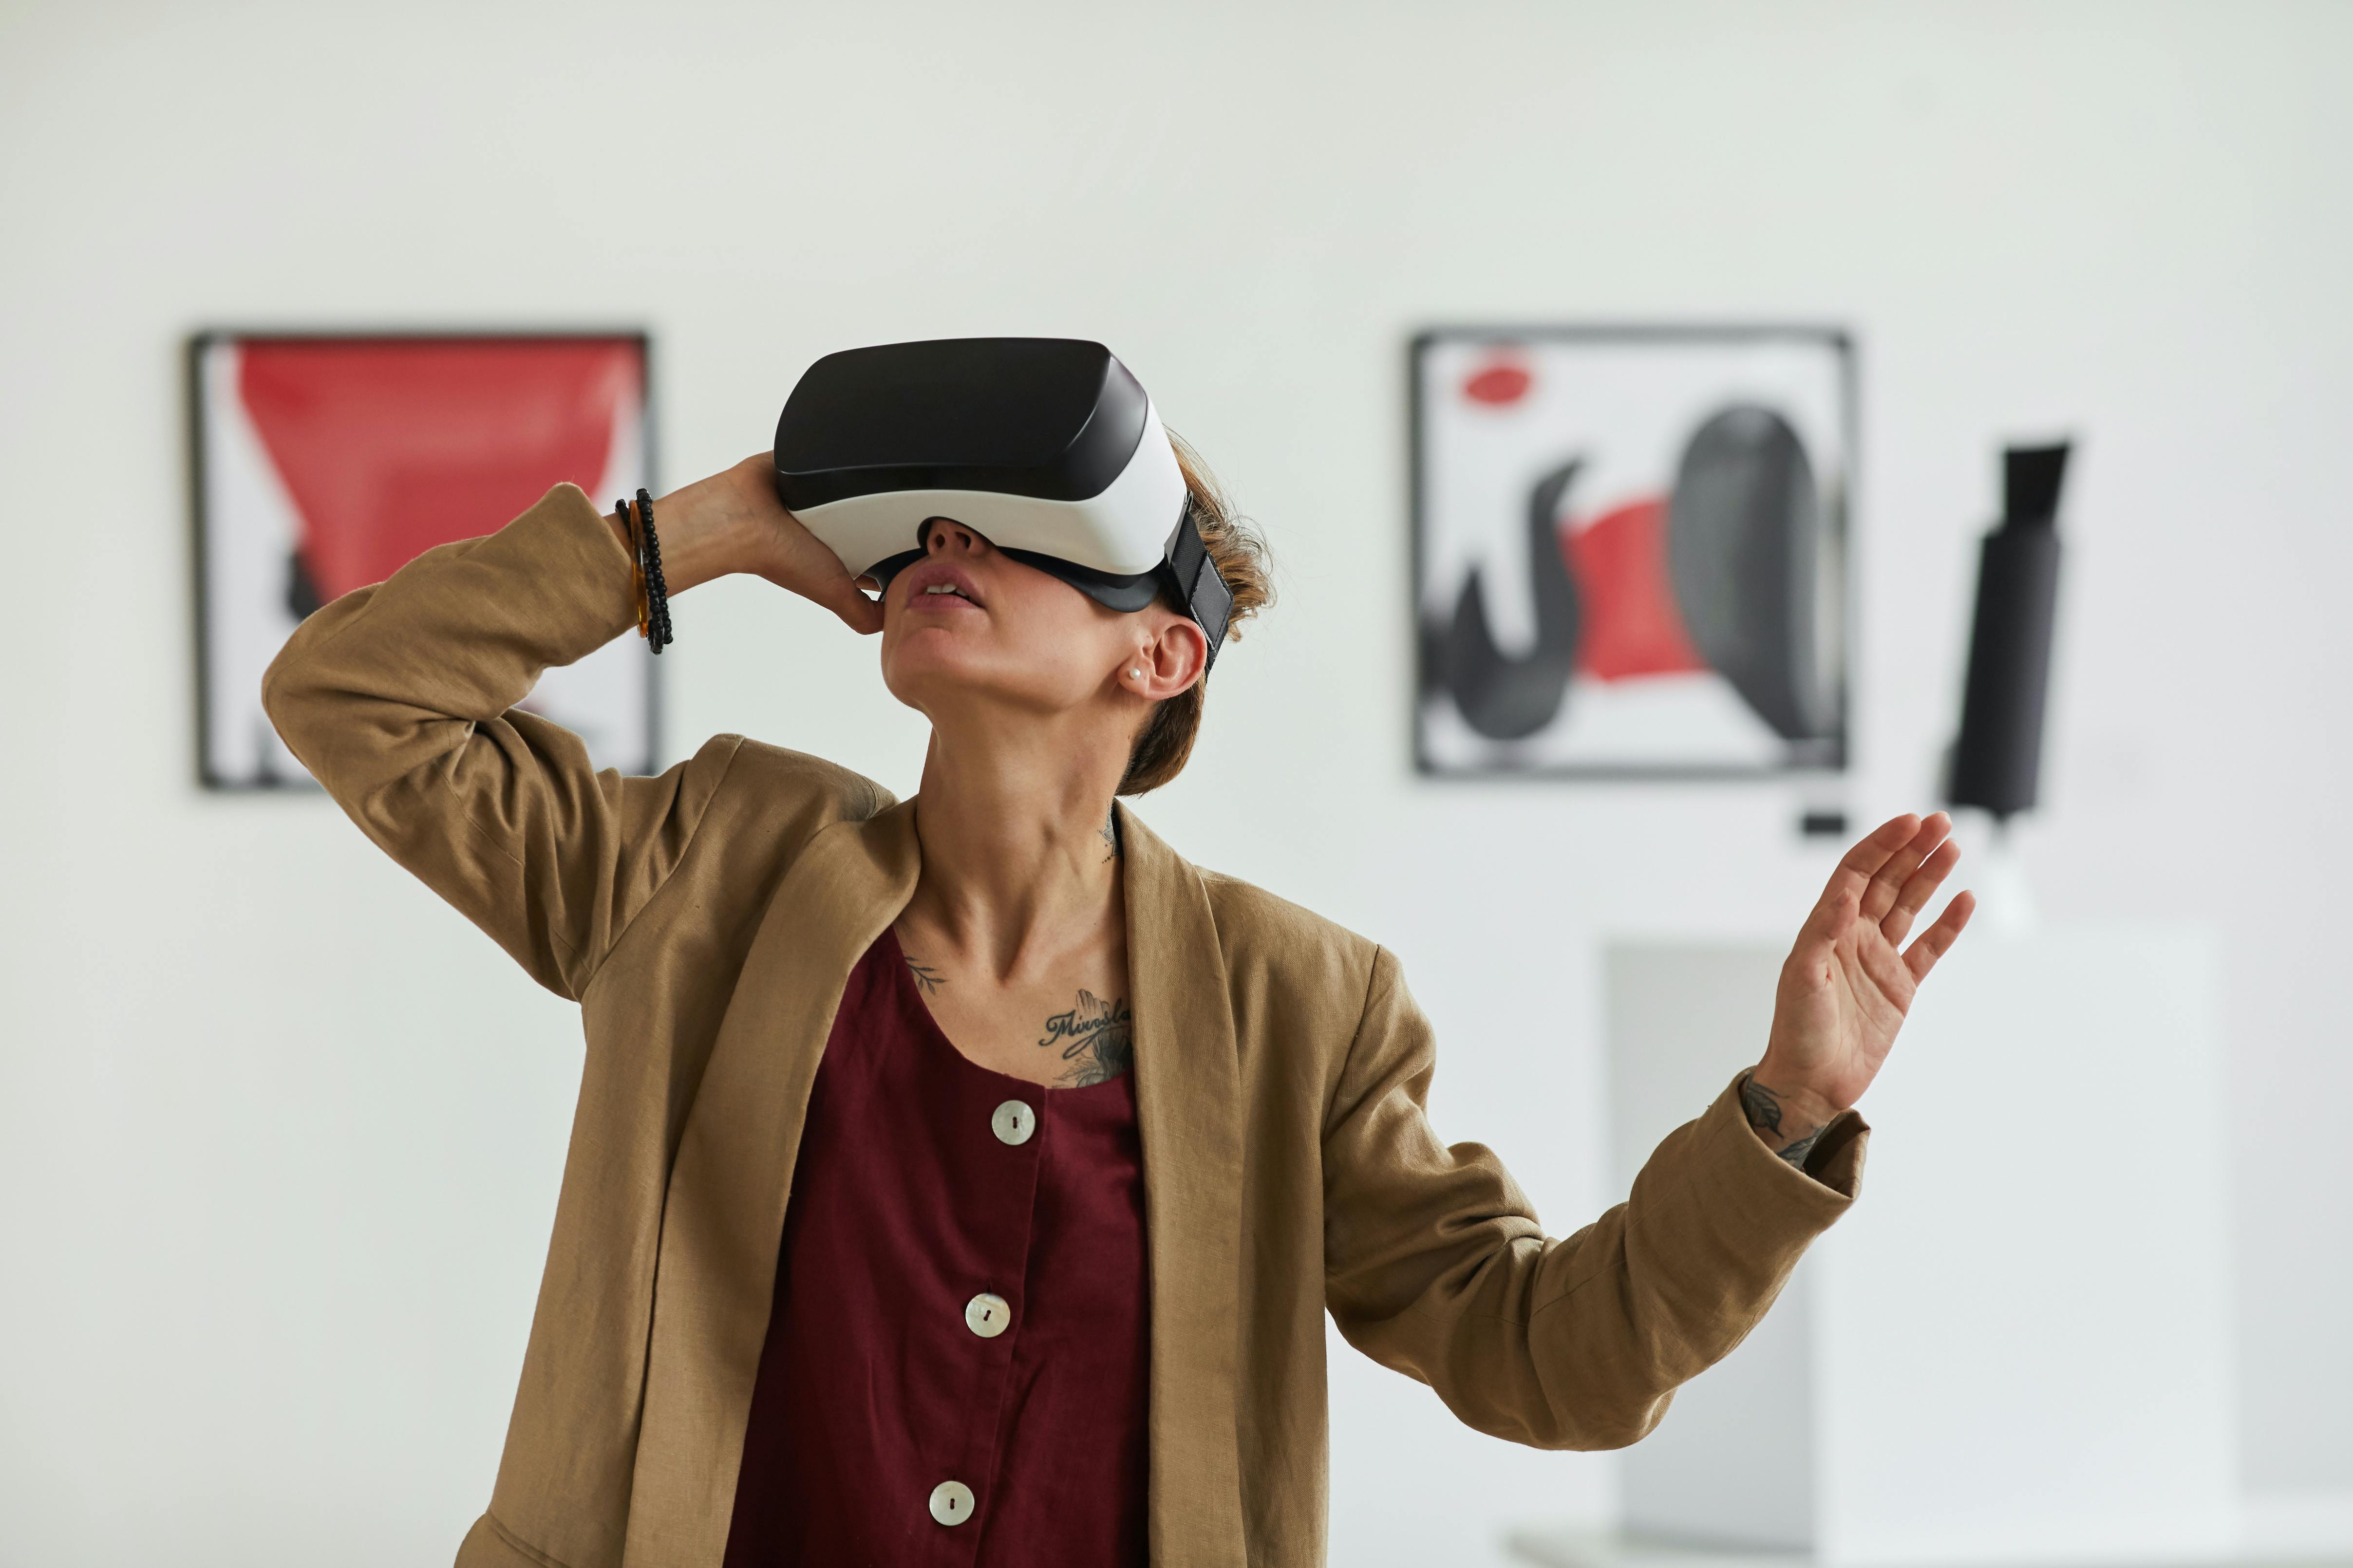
(875, 1387)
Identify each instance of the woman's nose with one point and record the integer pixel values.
(951, 538)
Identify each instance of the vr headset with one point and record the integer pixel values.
(1046, 447)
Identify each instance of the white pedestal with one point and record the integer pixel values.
(2016, 1347)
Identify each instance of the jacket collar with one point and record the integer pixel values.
(1189, 1105)
(723, 1220)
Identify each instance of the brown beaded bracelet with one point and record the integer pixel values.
(637, 561)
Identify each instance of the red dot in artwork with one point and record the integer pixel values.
(1498, 384)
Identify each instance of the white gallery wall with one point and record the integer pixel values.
(279, 1137)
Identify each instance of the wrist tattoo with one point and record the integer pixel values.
(1795, 1153)
(1764, 1111)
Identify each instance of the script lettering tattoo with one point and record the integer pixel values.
(1097, 1039)
(1764, 1108)
(927, 978)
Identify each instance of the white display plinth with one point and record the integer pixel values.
(2016, 1347)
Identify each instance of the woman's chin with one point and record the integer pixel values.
(936, 682)
(924, 670)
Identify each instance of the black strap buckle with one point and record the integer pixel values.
(1199, 590)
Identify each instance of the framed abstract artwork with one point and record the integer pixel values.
(325, 462)
(1630, 550)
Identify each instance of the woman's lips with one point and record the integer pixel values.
(941, 575)
(944, 602)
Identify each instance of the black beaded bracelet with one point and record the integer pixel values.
(658, 630)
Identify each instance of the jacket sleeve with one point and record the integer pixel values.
(1435, 1264)
(401, 700)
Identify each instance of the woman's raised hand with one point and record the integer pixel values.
(1849, 980)
(733, 521)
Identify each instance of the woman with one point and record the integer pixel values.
(965, 1179)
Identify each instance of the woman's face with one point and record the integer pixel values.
(969, 620)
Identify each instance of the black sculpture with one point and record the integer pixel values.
(1998, 761)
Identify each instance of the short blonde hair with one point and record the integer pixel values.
(1239, 554)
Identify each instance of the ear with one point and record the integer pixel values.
(1166, 661)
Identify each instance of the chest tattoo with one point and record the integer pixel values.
(1097, 1039)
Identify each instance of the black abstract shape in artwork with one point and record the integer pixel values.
(1746, 551)
(302, 600)
(1502, 698)
(1998, 761)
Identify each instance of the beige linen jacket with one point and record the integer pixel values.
(706, 921)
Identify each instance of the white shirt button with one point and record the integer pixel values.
(987, 1316)
(952, 1502)
(1013, 1122)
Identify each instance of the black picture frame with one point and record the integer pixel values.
(1838, 340)
(195, 433)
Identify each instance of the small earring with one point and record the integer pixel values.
(1136, 675)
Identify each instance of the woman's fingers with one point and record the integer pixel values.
(1862, 862)
(1887, 882)
(1918, 888)
(859, 613)
(833, 590)
(1939, 939)
(1852, 881)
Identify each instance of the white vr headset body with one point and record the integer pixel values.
(1048, 447)
(1123, 532)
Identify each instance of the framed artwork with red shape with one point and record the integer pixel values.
(1631, 550)
(325, 462)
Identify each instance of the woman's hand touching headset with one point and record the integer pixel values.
(733, 521)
